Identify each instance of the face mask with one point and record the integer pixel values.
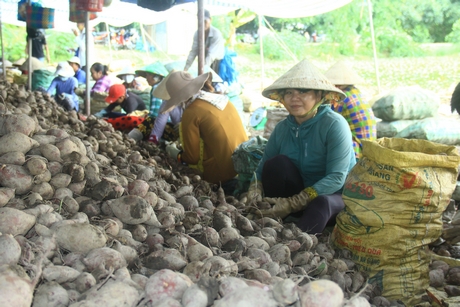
(63, 78)
(128, 78)
(156, 78)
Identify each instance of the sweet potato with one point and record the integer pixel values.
(79, 238)
(14, 157)
(194, 296)
(60, 273)
(20, 123)
(15, 222)
(165, 259)
(251, 296)
(104, 257)
(131, 209)
(15, 177)
(10, 250)
(16, 288)
(60, 180)
(111, 294)
(36, 165)
(50, 152)
(320, 293)
(138, 187)
(44, 189)
(5, 195)
(166, 284)
(50, 294)
(15, 141)
(197, 251)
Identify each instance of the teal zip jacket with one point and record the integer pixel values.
(321, 148)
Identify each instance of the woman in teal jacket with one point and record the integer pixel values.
(308, 155)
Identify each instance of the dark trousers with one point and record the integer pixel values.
(281, 178)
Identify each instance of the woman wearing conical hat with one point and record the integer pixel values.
(353, 107)
(308, 155)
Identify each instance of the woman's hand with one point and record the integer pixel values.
(282, 207)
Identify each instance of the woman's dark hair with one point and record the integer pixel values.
(207, 87)
(98, 67)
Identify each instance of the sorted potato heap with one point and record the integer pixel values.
(87, 216)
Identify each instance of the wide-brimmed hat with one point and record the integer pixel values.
(303, 75)
(8, 64)
(19, 62)
(75, 60)
(127, 74)
(36, 64)
(179, 65)
(126, 71)
(64, 69)
(341, 73)
(156, 68)
(178, 87)
(115, 92)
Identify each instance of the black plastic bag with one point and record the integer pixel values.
(156, 5)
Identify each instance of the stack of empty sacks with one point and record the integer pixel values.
(412, 113)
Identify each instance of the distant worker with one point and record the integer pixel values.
(118, 96)
(80, 74)
(63, 87)
(214, 46)
(99, 73)
(39, 46)
(353, 107)
(80, 39)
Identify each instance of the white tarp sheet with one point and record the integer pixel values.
(122, 13)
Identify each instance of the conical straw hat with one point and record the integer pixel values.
(304, 75)
(341, 73)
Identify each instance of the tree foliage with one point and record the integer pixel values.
(398, 25)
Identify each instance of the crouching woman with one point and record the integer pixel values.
(308, 155)
(210, 130)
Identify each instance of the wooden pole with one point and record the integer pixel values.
(374, 48)
(261, 44)
(29, 51)
(201, 41)
(87, 68)
(3, 49)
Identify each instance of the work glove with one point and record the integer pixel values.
(255, 192)
(101, 113)
(153, 139)
(282, 207)
(172, 150)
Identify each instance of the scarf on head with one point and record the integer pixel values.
(217, 100)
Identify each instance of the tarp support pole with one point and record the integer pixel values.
(29, 51)
(3, 50)
(109, 36)
(144, 42)
(261, 44)
(201, 40)
(87, 68)
(376, 64)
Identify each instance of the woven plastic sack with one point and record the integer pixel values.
(76, 15)
(274, 116)
(411, 102)
(246, 158)
(22, 8)
(41, 79)
(247, 155)
(40, 17)
(394, 199)
(144, 95)
(434, 129)
(390, 129)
